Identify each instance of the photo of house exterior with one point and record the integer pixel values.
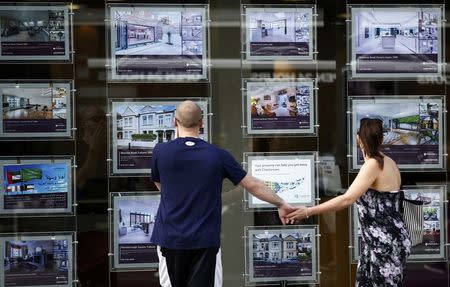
(278, 254)
(138, 127)
(273, 247)
(157, 122)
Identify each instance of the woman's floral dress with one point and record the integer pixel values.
(386, 243)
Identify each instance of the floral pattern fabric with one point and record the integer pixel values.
(386, 243)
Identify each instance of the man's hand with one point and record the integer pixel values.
(283, 211)
(297, 215)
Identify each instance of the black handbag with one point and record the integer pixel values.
(412, 211)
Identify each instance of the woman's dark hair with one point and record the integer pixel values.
(371, 136)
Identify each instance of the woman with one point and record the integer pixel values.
(386, 243)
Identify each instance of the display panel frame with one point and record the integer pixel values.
(69, 210)
(114, 170)
(298, 158)
(248, 107)
(441, 203)
(68, 32)
(274, 8)
(251, 231)
(114, 243)
(114, 77)
(71, 239)
(352, 9)
(403, 101)
(42, 84)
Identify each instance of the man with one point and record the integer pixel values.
(189, 173)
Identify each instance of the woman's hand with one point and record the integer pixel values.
(300, 213)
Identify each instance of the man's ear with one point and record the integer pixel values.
(201, 123)
(175, 122)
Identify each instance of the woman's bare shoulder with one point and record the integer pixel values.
(371, 164)
(390, 160)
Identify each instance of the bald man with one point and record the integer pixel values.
(189, 173)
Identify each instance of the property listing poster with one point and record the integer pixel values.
(291, 177)
(37, 261)
(35, 110)
(396, 41)
(34, 32)
(134, 218)
(281, 254)
(158, 42)
(280, 107)
(278, 33)
(412, 129)
(138, 126)
(36, 186)
(433, 232)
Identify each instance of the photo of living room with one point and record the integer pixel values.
(32, 25)
(395, 31)
(279, 99)
(34, 103)
(33, 258)
(136, 218)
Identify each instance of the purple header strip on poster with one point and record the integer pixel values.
(134, 159)
(35, 126)
(159, 65)
(397, 63)
(33, 49)
(409, 154)
(142, 253)
(279, 49)
(300, 122)
(36, 201)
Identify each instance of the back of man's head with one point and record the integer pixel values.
(189, 115)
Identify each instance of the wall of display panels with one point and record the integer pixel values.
(157, 47)
(400, 53)
(282, 109)
(38, 109)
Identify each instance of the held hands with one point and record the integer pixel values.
(300, 212)
(283, 211)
